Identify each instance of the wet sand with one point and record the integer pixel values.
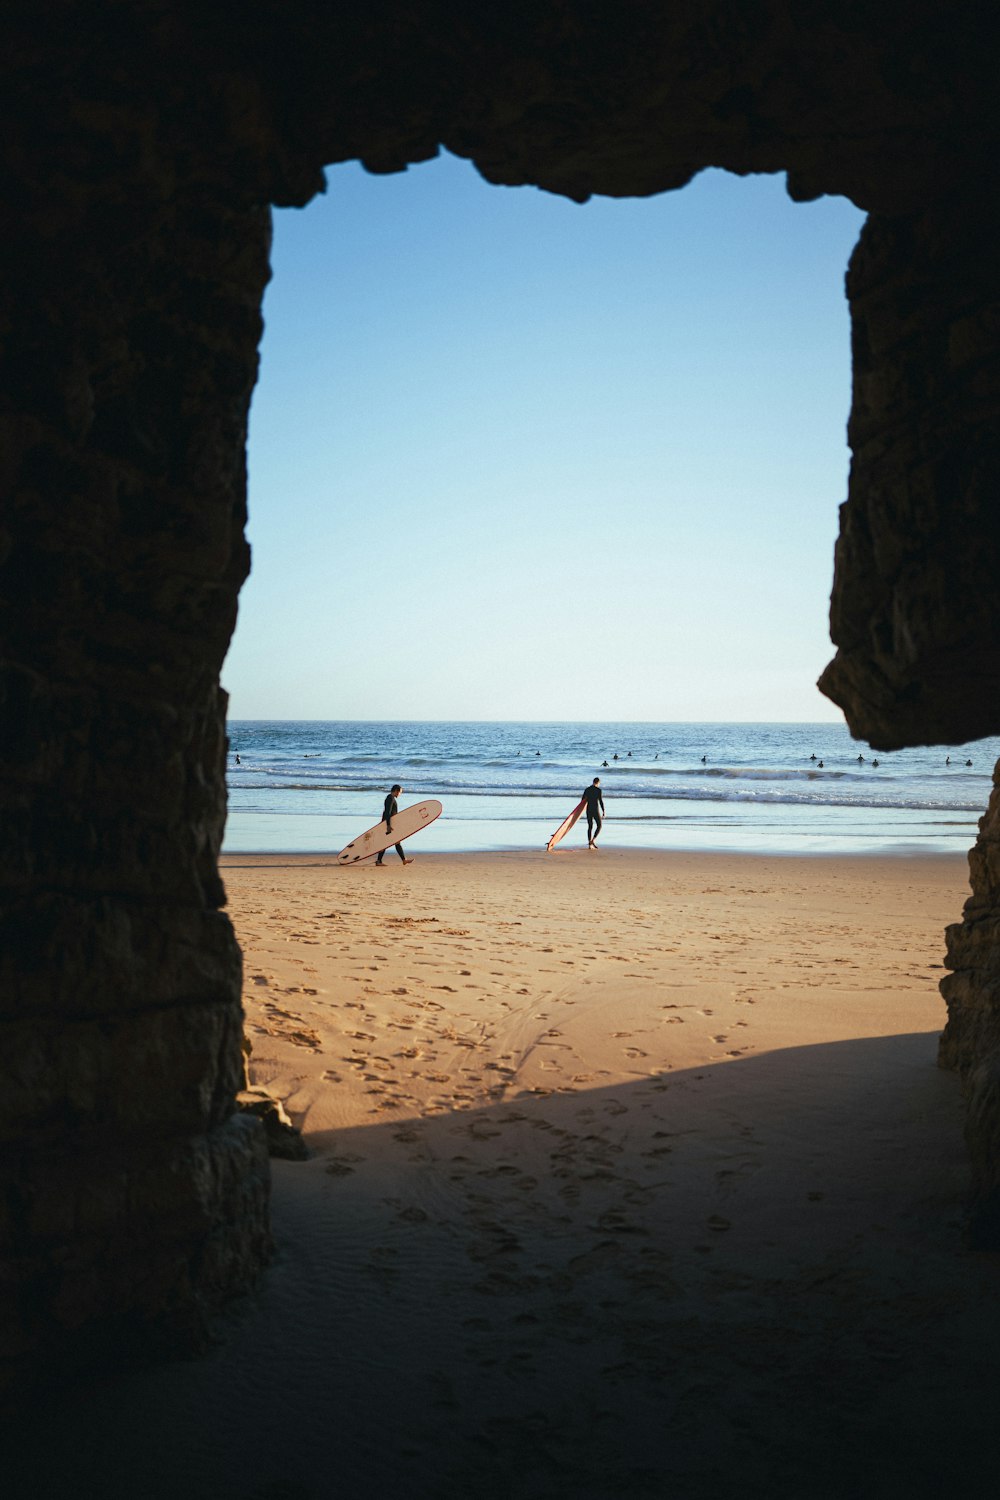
(632, 1174)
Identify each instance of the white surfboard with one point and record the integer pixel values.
(566, 824)
(404, 825)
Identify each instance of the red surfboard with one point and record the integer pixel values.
(566, 824)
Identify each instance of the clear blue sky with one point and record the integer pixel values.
(517, 458)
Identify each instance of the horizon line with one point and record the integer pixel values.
(308, 720)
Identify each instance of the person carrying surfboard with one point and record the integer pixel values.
(594, 798)
(388, 813)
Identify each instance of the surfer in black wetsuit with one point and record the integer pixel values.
(594, 798)
(388, 813)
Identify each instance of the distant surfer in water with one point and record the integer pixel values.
(594, 798)
(388, 813)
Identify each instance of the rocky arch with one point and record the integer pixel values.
(142, 144)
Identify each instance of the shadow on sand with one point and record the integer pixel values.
(746, 1279)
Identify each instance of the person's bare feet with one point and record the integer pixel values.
(407, 861)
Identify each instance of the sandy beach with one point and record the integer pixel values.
(631, 1174)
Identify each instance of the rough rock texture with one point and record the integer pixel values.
(916, 608)
(142, 143)
(130, 314)
(283, 1140)
(971, 1040)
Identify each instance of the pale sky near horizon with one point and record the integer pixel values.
(517, 458)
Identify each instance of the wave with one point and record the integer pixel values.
(887, 798)
(746, 773)
(644, 780)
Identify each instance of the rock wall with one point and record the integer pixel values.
(133, 1198)
(915, 608)
(970, 1042)
(142, 143)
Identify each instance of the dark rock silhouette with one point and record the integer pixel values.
(142, 148)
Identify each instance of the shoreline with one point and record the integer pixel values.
(296, 858)
(698, 787)
(251, 858)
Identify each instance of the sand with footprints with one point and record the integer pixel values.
(631, 1173)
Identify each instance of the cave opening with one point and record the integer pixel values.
(141, 165)
(612, 428)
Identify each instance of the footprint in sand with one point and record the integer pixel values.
(343, 1163)
(304, 1037)
(410, 1214)
(616, 1223)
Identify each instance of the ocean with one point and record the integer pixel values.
(312, 786)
